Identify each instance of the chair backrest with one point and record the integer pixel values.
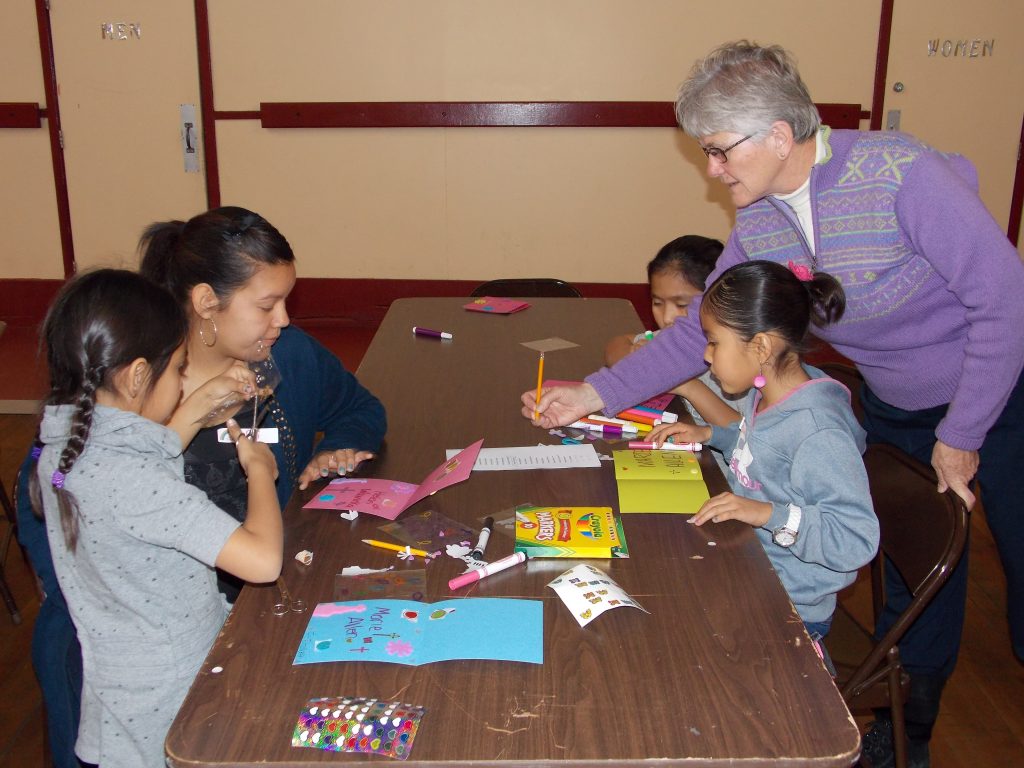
(850, 378)
(922, 532)
(527, 287)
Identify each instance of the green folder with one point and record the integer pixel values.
(659, 481)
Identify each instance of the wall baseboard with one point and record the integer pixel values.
(355, 302)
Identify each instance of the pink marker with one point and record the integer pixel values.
(637, 446)
(487, 570)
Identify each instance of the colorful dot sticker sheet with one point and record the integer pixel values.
(348, 724)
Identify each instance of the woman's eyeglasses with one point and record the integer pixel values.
(714, 153)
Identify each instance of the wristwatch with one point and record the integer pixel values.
(785, 535)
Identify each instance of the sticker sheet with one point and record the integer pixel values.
(351, 724)
(588, 592)
(429, 530)
(411, 584)
(413, 633)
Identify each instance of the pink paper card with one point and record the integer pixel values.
(496, 306)
(659, 402)
(390, 498)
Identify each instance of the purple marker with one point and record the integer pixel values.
(433, 334)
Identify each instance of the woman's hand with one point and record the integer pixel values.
(253, 456)
(955, 469)
(341, 462)
(678, 432)
(729, 506)
(559, 406)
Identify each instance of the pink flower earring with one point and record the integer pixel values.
(759, 380)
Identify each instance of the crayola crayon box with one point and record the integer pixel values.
(583, 532)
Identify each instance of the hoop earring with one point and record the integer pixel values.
(202, 336)
(759, 380)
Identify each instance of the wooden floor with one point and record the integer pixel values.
(981, 723)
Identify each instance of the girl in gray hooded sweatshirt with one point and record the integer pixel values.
(795, 468)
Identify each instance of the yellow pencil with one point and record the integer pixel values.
(540, 378)
(394, 547)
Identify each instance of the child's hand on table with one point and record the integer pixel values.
(341, 462)
(729, 506)
(678, 432)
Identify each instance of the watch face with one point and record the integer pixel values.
(784, 537)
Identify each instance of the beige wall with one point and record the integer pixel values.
(28, 205)
(581, 204)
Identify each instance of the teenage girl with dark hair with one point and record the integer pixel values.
(133, 545)
(795, 466)
(231, 271)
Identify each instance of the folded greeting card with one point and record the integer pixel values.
(414, 633)
(569, 532)
(390, 498)
(659, 481)
(588, 592)
(496, 305)
(353, 724)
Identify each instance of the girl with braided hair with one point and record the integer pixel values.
(133, 544)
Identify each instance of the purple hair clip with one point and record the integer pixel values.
(57, 479)
(803, 274)
(36, 451)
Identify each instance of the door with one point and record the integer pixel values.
(955, 74)
(123, 69)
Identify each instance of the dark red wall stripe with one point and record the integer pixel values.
(881, 65)
(1017, 199)
(20, 115)
(60, 175)
(441, 114)
(206, 107)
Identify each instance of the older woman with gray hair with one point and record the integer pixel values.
(933, 321)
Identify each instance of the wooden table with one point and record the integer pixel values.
(719, 671)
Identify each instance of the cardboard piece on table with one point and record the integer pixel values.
(550, 344)
(389, 498)
(659, 481)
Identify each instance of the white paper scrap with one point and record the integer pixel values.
(534, 457)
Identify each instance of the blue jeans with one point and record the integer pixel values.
(817, 630)
(56, 654)
(932, 643)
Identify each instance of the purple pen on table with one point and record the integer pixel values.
(432, 333)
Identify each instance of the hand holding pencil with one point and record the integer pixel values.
(559, 406)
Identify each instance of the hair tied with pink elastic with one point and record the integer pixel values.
(57, 479)
(802, 272)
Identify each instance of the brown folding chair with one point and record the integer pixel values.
(923, 533)
(850, 378)
(527, 287)
(5, 545)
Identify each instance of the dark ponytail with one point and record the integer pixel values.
(100, 322)
(765, 297)
(222, 248)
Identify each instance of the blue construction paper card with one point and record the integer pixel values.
(413, 633)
